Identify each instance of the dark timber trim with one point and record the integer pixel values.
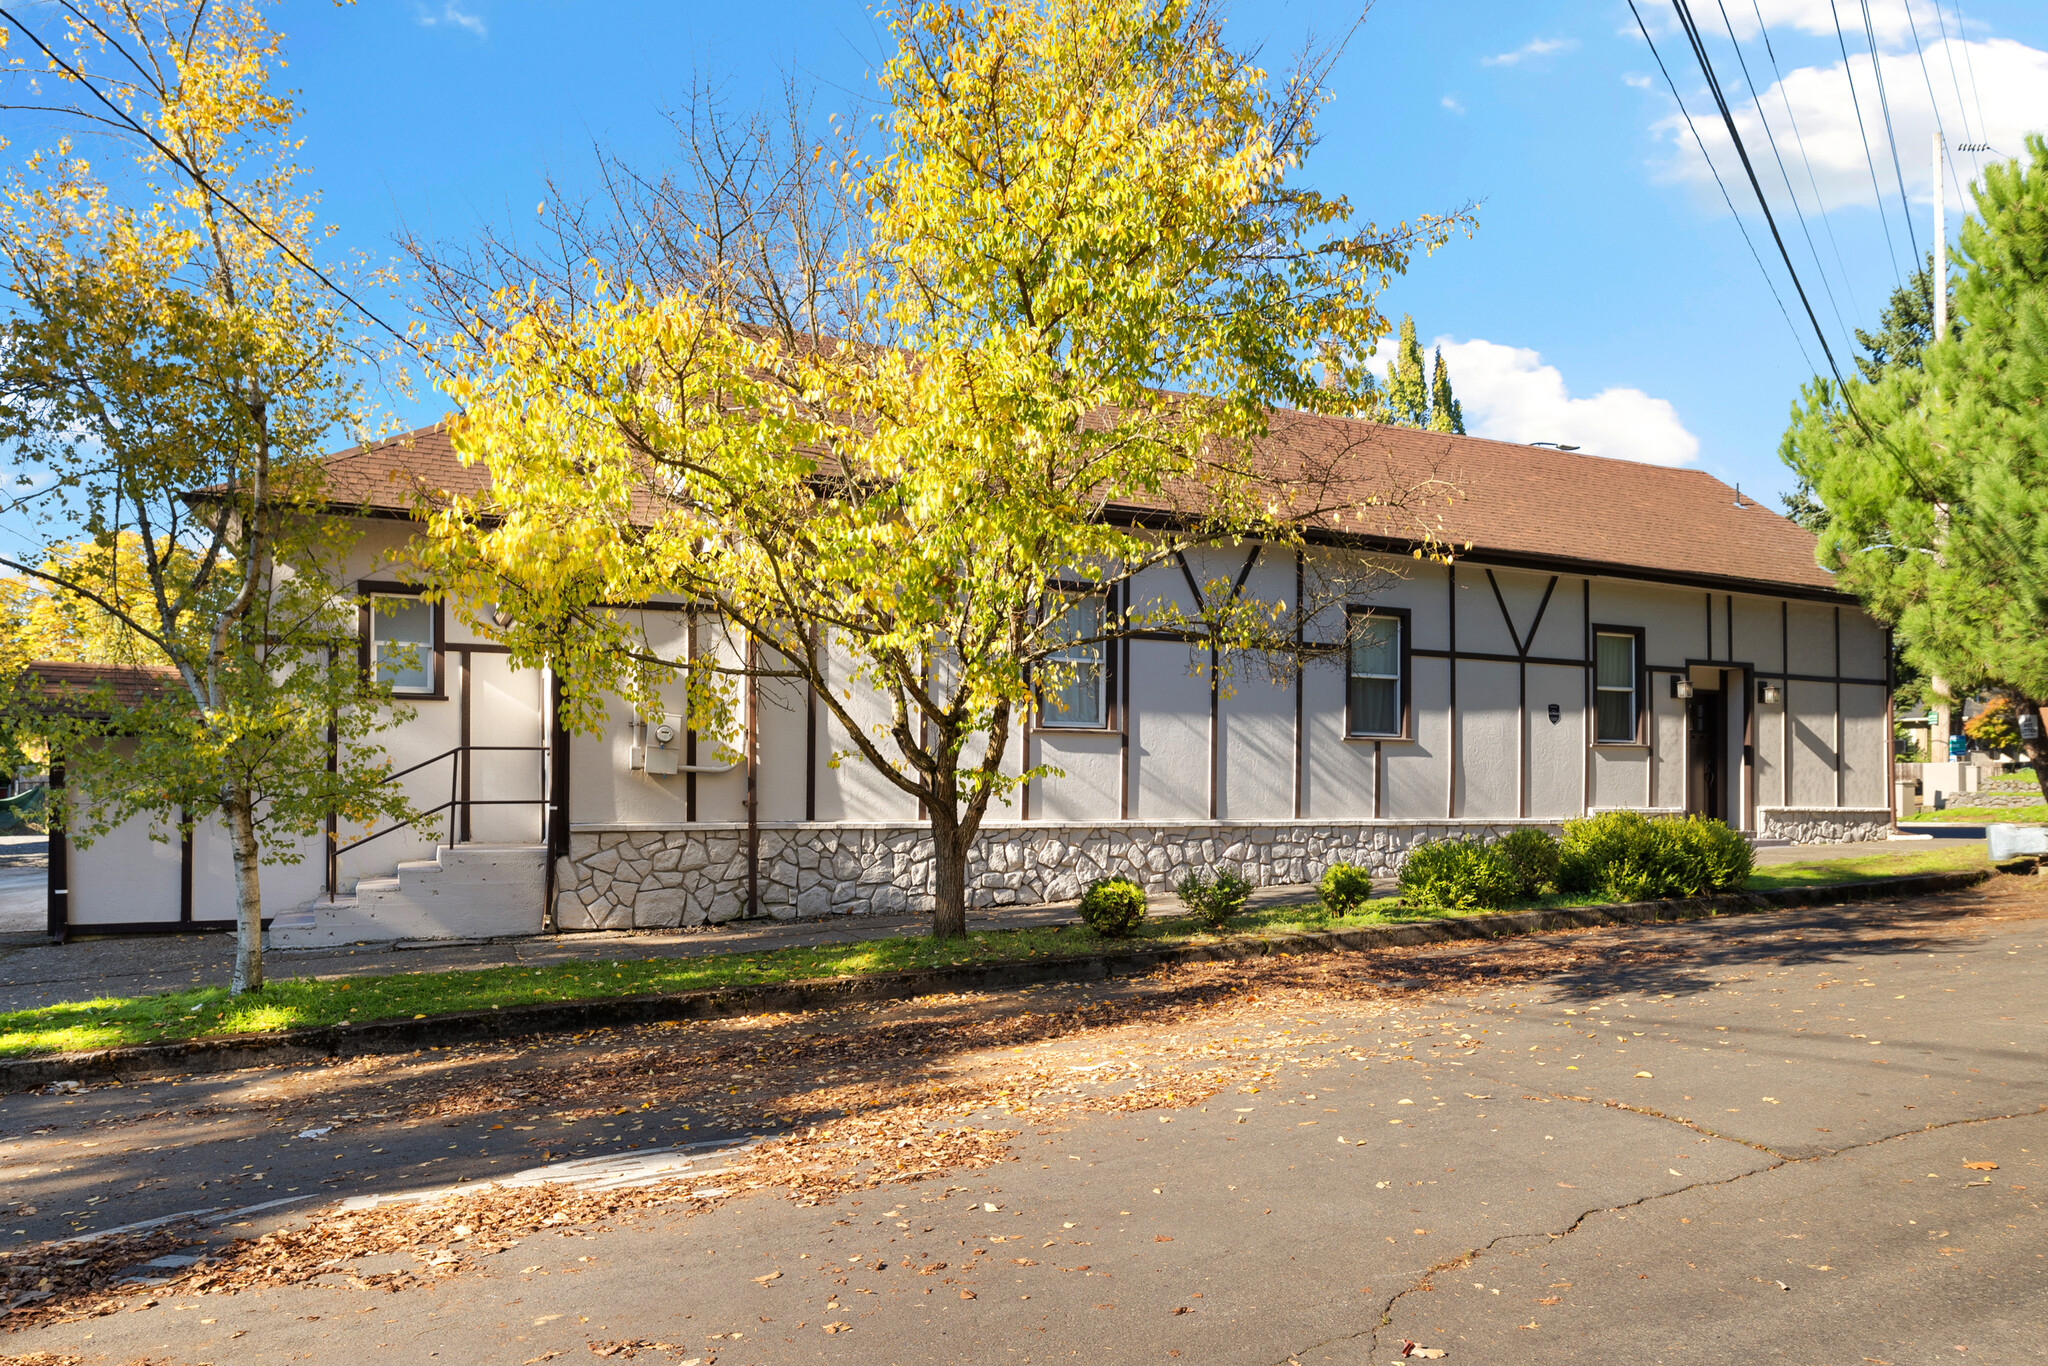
(185, 854)
(1300, 575)
(58, 884)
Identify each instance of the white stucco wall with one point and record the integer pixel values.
(1153, 763)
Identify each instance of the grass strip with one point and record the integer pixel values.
(2036, 814)
(292, 1003)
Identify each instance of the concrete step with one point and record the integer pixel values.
(466, 892)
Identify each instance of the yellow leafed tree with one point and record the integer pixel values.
(929, 410)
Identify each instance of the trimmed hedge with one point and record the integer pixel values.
(1113, 906)
(1457, 875)
(1626, 856)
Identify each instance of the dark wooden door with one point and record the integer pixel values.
(1706, 746)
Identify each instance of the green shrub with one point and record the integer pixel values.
(1345, 887)
(1533, 857)
(1595, 845)
(1712, 857)
(1456, 875)
(1113, 906)
(1214, 901)
(1626, 856)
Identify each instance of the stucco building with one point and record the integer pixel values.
(1608, 635)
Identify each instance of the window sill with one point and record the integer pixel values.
(1621, 744)
(1075, 730)
(397, 696)
(1379, 740)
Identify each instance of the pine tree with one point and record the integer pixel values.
(1445, 415)
(1905, 327)
(1904, 330)
(1937, 483)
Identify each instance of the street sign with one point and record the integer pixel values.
(2030, 724)
(1957, 745)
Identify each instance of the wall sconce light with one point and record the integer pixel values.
(1770, 694)
(1681, 687)
(501, 616)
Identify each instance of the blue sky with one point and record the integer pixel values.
(1608, 298)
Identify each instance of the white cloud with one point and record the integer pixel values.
(1507, 393)
(453, 15)
(1888, 19)
(2011, 88)
(1636, 82)
(1452, 103)
(1535, 47)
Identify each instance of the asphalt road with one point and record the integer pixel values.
(1764, 1137)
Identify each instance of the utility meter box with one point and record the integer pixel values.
(660, 748)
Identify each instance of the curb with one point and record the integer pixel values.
(321, 1043)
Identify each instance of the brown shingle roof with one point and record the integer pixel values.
(1514, 504)
(62, 682)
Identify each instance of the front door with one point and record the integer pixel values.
(1704, 791)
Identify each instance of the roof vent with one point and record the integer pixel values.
(1553, 445)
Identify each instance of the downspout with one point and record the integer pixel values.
(557, 833)
(58, 883)
(753, 803)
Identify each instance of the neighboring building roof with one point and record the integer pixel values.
(61, 681)
(1514, 504)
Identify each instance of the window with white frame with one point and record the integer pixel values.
(402, 641)
(1614, 688)
(1073, 690)
(1375, 692)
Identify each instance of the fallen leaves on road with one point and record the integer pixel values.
(861, 1096)
(633, 1347)
(1980, 1166)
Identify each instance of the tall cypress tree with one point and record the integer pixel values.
(1415, 396)
(1407, 397)
(1444, 413)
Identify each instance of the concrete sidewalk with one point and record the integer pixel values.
(37, 973)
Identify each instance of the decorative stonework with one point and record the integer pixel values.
(1823, 824)
(627, 878)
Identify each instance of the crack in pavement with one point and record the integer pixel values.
(1386, 1314)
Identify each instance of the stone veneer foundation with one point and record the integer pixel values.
(635, 877)
(1823, 824)
(625, 877)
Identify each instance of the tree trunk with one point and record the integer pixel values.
(241, 816)
(949, 876)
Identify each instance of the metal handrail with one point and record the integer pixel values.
(455, 800)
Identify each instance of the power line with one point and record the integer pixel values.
(208, 189)
(1884, 106)
(1935, 105)
(1699, 49)
(1756, 97)
(1976, 91)
(1812, 183)
(1769, 283)
(1948, 50)
(1849, 74)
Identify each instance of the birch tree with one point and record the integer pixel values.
(171, 369)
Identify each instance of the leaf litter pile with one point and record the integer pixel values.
(861, 1097)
